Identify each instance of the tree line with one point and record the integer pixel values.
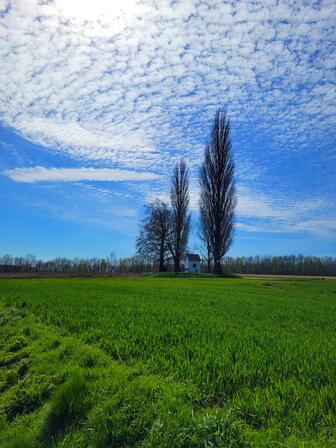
(281, 265)
(165, 229)
(106, 265)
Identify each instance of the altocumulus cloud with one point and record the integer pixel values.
(86, 77)
(134, 84)
(41, 174)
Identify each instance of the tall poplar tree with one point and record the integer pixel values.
(218, 192)
(179, 227)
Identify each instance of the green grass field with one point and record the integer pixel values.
(167, 362)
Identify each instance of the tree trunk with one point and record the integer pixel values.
(162, 260)
(161, 266)
(176, 265)
(217, 266)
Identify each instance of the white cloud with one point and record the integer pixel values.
(137, 86)
(73, 135)
(271, 213)
(41, 174)
(75, 80)
(323, 227)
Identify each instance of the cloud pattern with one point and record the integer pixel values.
(137, 88)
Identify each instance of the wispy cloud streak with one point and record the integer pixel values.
(41, 174)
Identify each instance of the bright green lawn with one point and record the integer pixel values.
(167, 362)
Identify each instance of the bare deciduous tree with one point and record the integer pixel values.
(179, 215)
(153, 237)
(218, 193)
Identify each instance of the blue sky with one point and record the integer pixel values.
(98, 100)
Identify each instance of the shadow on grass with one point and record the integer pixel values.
(68, 406)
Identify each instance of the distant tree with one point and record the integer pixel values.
(112, 261)
(7, 260)
(218, 194)
(179, 223)
(153, 238)
(30, 261)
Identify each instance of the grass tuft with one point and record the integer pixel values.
(68, 406)
(26, 397)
